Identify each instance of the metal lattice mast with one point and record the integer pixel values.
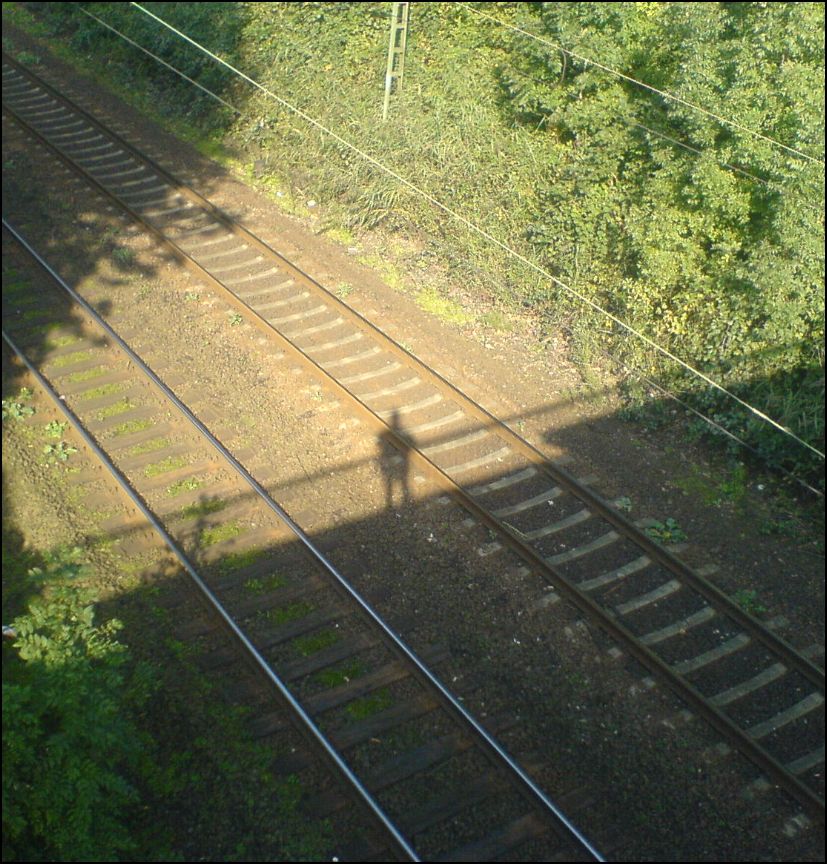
(396, 53)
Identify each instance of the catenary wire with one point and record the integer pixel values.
(717, 426)
(309, 543)
(748, 175)
(164, 63)
(662, 93)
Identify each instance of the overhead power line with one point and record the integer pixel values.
(163, 62)
(748, 175)
(670, 96)
(713, 423)
(475, 228)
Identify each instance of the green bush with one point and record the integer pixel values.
(68, 738)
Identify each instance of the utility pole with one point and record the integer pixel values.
(396, 53)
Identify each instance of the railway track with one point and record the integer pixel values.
(167, 598)
(757, 691)
(435, 782)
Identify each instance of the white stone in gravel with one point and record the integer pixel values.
(756, 788)
(797, 824)
(546, 600)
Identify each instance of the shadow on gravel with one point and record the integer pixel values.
(394, 463)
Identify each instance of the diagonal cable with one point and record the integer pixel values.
(663, 93)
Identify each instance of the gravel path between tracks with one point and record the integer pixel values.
(653, 782)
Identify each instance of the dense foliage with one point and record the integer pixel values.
(104, 758)
(703, 236)
(68, 735)
(713, 248)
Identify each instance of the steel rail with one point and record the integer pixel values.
(305, 722)
(490, 746)
(717, 598)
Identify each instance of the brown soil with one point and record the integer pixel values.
(657, 787)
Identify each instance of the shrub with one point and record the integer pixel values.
(67, 739)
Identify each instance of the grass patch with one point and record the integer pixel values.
(135, 564)
(123, 256)
(130, 427)
(749, 602)
(149, 446)
(61, 341)
(104, 390)
(120, 407)
(274, 185)
(697, 484)
(340, 674)
(733, 488)
(16, 410)
(171, 463)
(31, 314)
(104, 544)
(288, 613)
(781, 527)
(55, 429)
(430, 300)
(240, 560)
(666, 532)
(307, 645)
(389, 273)
(87, 374)
(208, 144)
(13, 286)
(496, 320)
(70, 359)
(203, 508)
(265, 584)
(368, 705)
(27, 58)
(46, 328)
(219, 533)
(341, 235)
(59, 452)
(190, 484)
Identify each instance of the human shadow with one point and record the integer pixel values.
(394, 460)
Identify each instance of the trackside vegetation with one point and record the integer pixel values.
(104, 758)
(90, 772)
(69, 737)
(701, 235)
